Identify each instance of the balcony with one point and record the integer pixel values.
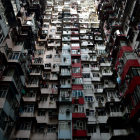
(121, 132)
(67, 32)
(32, 82)
(48, 90)
(66, 38)
(96, 77)
(86, 43)
(35, 71)
(106, 72)
(37, 61)
(55, 68)
(75, 52)
(85, 58)
(98, 38)
(109, 84)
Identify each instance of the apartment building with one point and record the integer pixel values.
(69, 70)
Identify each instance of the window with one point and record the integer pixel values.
(78, 108)
(51, 129)
(91, 129)
(42, 112)
(86, 65)
(64, 125)
(87, 86)
(136, 95)
(115, 108)
(77, 93)
(49, 56)
(76, 70)
(2, 122)
(31, 93)
(39, 128)
(15, 104)
(43, 98)
(14, 55)
(79, 125)
(101, 112)
(26, 125)
(65, 93)
(65, 70)
(76, 60)
(28, 108)
(3, 92)
(99, 98)
(46, 75)
(104, 128)
(112, 94)
(89, 112)
(10, 97)
(88, 98)
(9, 72)
(78, 81)
(86, 75)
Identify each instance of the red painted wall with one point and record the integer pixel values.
(129, 63)
(80, 100)
(77, 87)
(123, 49)
(79, 132)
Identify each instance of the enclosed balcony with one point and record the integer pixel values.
(37, 61)
(32, 82)
(79, 128)
(30, 96)
(106, 71)
(65, 83)
(96, 77)
(35, 70)
(109, 84)
(65, 71)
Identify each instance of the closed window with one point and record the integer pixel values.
(28, 108)
(3, 92)
(87, 86)
(77, 93)
(101, 112)
(51, 129)
(42, 112)
(26, 125)
(39, 128)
